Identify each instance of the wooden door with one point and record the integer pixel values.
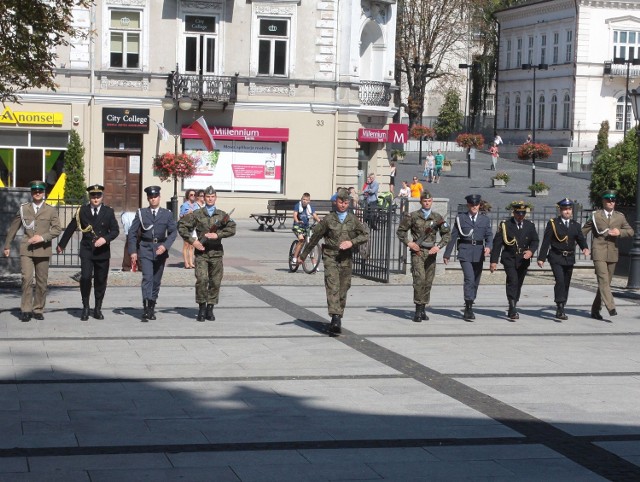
(122, 186)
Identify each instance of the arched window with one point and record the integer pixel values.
(566, 111)
(507, 108)
(541, 112)
(620, 114)
(516, 114)
(528, 112)
(554, 112)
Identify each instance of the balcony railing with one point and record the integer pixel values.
(204, 88)
(372, 92)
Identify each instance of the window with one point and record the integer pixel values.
(566, 111)
(273, 47)
(620, 114)
(556, 46)
(124, 39)
(519, 52)
(508, 62)
(554, 111)
(516, 116)
(568, 57)
(528, 113)
(530, 51)
(626, 44)
(200, 44)
(543, 49)
(506, 116)
(541, 112)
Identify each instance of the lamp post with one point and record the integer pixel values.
(423, 68)
(634, 269)
(467, 113)
(628, 63)
(533, 118)
(176, 98)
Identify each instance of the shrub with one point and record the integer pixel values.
(527, 151)
(75, 189)
(538, 187)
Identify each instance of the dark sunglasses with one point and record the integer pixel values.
(610, 200)
(37, 191)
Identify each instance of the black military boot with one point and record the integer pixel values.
(423, 314)
(86, 311)
(145, 312)
(202, 312)
(560, 314)
(335, 325)
(468, 311)
(151, 313)
(417, 317)
(210, 316)
(97, 311)
(512, 314)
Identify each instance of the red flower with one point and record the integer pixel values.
(470, 140)
(168, 165)
(527, 151)
(419, 131)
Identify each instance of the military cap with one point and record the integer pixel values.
(210, 190)
(518, 206)
(95, 189)
(565, 203)
(473, 198)
(426, 195)
(152, 191)
(37, 185)
(342, 194)
(609, 194)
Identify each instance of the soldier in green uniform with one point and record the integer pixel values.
(342, 231)
(211, 225)
(424, 225)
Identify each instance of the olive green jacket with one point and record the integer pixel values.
(202, 223)
(334, 232)
(45, 223)
(419, 226)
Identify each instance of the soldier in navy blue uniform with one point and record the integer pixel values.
(559, 247)
(514, 244)
(99, 227)
(158, 231)
(473, 237)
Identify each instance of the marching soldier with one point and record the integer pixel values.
(514, 244)
(473, 237)
(342, 231)
(606, 227)
(99, 227)
(211, 225)
(424, 225)
(157, 232)
(41, 225)
(559, 246)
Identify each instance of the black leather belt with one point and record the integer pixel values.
(471, 241)
(564, 253)
(154, 240)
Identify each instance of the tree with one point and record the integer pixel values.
(603, 138)
(450, 118)
(74, 187)
(30, 31)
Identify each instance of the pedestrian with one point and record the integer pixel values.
(341, 231)
(211, 225)
(561, 235)
(187, 207)
(392, 176)
(157, 227)
(405, 190)
(429, 166)
(370, 193)
(606, 226)
(127, 218)
(529, 139)
(416, 188)
(41, 225)
(493, 150)
(473, 238)
(425, 225)
(497, 140)
(354, 199)
(99, 228)
(439, 164)
(514, 244)
(303, 213)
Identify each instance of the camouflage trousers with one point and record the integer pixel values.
(209, 273)
(337, 281)
(423, 269)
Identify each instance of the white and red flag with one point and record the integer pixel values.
(200, 126)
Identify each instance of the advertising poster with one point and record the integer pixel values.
(246, 166)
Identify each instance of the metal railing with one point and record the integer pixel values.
(204, 88)
(580, 161)
(372, 92)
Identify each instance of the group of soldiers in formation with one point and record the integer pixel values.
(154, 230)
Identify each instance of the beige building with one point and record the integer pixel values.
(296, 95)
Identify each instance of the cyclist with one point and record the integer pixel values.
(302, 213)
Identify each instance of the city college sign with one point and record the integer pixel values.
(31, 118)
(129, 120)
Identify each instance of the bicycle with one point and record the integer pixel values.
(311, 262)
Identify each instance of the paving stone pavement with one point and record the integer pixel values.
(263, 394)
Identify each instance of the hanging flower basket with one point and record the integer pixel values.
(169, 165)
(470, 141)
(527, 151)
(421, 132)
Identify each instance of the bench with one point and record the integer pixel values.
(279, 210)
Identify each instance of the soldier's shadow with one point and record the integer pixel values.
(321, 327)
(397, 312)
(132, 312)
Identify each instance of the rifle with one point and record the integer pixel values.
(427, 231)
(217, 225)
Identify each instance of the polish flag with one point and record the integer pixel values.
(200, 126)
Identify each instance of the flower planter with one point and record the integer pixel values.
(499, 183)
(446, 168)
(543, 193)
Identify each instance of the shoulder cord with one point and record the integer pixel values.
(505, 239)
(593, 220)
(141, 224)
(555, 232)
(88, 229)
(464, 235)
(31, 225)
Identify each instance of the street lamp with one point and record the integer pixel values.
(629, 63)
(424, 68)
(634, 270)
(176, 98)
(467, 113)
(533, 119)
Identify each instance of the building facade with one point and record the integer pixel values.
(291, 91)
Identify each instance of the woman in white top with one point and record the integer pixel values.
(429, 166)
(405, 191)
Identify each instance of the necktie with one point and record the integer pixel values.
(519, 225)
(566, 223)
(37, 208)
(153, 213)
(95, 212)
(473, 220)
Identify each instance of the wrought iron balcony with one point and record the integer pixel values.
(372, 92)
(622, 68)
(202, 88)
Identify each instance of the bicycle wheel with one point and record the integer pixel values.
(312, 261)
(293, 267)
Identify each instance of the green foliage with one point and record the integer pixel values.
(538, 187)
(450, 118)
(603, 138)
(616, 168)
(30, 31)
(75, 188)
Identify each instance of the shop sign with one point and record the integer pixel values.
(31, 118)
(372, 135)
(398, 133)
(265, 134)
(130, 120)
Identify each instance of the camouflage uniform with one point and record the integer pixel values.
(209, 268)
(423, 265)
(337, 263)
